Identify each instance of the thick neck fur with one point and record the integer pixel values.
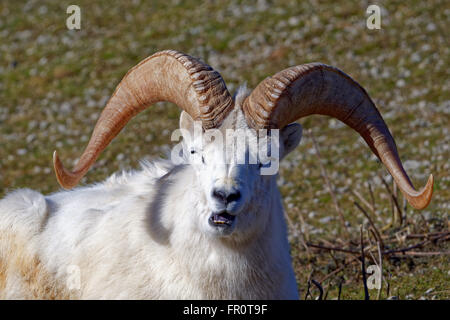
(256, 266)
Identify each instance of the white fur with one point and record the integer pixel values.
(144, 235)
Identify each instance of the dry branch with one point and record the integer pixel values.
(363, 266)
(394, 199)
(377, 233)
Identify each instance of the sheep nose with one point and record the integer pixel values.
(226, 197)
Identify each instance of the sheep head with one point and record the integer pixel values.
(275, 103)
(235, 170)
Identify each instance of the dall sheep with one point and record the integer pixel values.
(205, 228)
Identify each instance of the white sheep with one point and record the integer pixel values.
(210, 227)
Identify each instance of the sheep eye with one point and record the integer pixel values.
(192, 151)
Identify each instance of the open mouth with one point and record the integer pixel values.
(222, 219)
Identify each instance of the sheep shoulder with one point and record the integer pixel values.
(23, 216)
(37, 232)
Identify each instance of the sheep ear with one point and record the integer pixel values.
(291, 136)
(186, 122)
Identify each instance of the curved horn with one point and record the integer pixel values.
(165, 76)
(316, 88)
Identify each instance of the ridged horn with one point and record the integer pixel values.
(316, 88)
(165, 76)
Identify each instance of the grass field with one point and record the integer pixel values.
(54, 83)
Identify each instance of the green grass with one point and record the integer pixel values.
(54, 83)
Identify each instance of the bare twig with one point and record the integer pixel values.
(371, 232)
(308, 293)
(380, 266)
(423, 254)
(394, 216)
(336, 262)
(427, 235)
(317, 284)
(377, 233)
(305, 232)
(327, 243)
(372, 198)
(307, 290)
(340, 288)
(318, 246)
(363, 200)
(289, 220)
(393, 198)
(444, 238)
(302, 240)
(397, 209)
(388, 287)
(417, 245)
(363, 266)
